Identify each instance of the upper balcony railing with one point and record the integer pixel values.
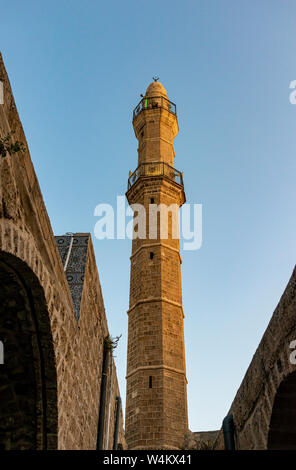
(155, 169)
(155, 102)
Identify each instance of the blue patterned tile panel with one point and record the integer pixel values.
(75, 266)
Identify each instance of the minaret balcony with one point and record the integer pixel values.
(155, 169)
(154, 102)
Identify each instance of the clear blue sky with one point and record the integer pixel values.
(77, 69)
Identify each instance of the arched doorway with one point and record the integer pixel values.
(28, 391)
(282, 429)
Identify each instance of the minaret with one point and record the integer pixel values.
(156, 401)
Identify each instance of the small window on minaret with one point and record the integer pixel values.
(142, 134)
(152, 200)
(150, 381)
(151, 255)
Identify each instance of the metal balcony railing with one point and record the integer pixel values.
(155, 169)
(155, 102)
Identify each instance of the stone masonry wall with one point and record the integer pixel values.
(156, 404)
(253, 405)
(26, 235)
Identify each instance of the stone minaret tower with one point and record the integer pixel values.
(156, 402)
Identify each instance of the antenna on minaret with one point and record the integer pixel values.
(155, 78)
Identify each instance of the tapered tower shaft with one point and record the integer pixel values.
(156, 402)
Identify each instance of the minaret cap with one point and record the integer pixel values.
(156, 89)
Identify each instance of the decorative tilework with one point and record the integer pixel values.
(76, 265)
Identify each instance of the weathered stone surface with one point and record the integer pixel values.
(200, 440)
(259, 400)
(53, 391)
(53, 328)
(156, 403)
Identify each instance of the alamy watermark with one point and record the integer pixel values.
(292, 96)
(1, 353)
(152, 222)
(1, 93)
(293, 353)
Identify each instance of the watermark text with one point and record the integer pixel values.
(153, 221)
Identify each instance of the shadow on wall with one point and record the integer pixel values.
(28, 385)
(282, 429)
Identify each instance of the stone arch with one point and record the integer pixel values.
(28, 382)
(282, 428)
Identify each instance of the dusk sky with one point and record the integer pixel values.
(77, 70)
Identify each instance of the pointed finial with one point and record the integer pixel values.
(155, 78)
